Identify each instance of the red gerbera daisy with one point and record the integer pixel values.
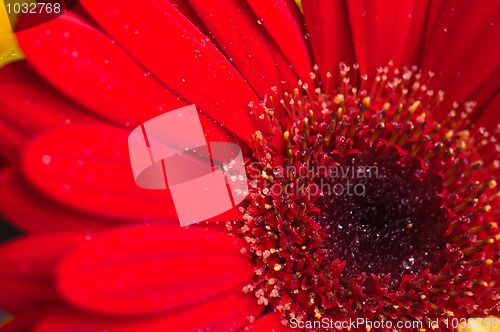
(403, 95)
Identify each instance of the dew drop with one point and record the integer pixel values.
(408, 263)
(46, 159)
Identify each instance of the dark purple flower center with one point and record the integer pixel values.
(383, 214)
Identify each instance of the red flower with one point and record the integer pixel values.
(420, 243)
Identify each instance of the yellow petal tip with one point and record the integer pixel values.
(9, 49)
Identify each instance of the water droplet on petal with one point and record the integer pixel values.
(408, 263)
(46, 159)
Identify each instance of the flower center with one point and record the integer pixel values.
(383, 214)
(362, 205)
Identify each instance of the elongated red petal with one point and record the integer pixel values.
(490, 117)
(127, 97)
(176, 52)
(27, 268)
(18, 296)
(88, 168)
(433, 16)
(460, 51)
(380, 30)
(152, 269)
(415, 41)
(188, 11)
(226, 312)
(485, 92)
(29, 105)
(287, 32)
(35, 256)
(329, 31)
(11, 142)
(104, 77)
(246, 43)
(270, 322)
(43, 214)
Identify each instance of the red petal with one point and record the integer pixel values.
(287, 31)
(11, 143)
(188, 11)
(485, 92)
(253, 52)
(151, 269)
(461, 51)
(28, 104)
(27, 266)
(43, 214)
(181, 57)
(185, 8)
(433, 16)
(490, 117)
(414, 47)
(127, 97)
(93, 70)
(18, 296)
(35, 256)
(380, 30)
(227, 312)
(327, 23)
(269, 323)
(88, 168)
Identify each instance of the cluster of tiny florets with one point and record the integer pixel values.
(291, 226)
